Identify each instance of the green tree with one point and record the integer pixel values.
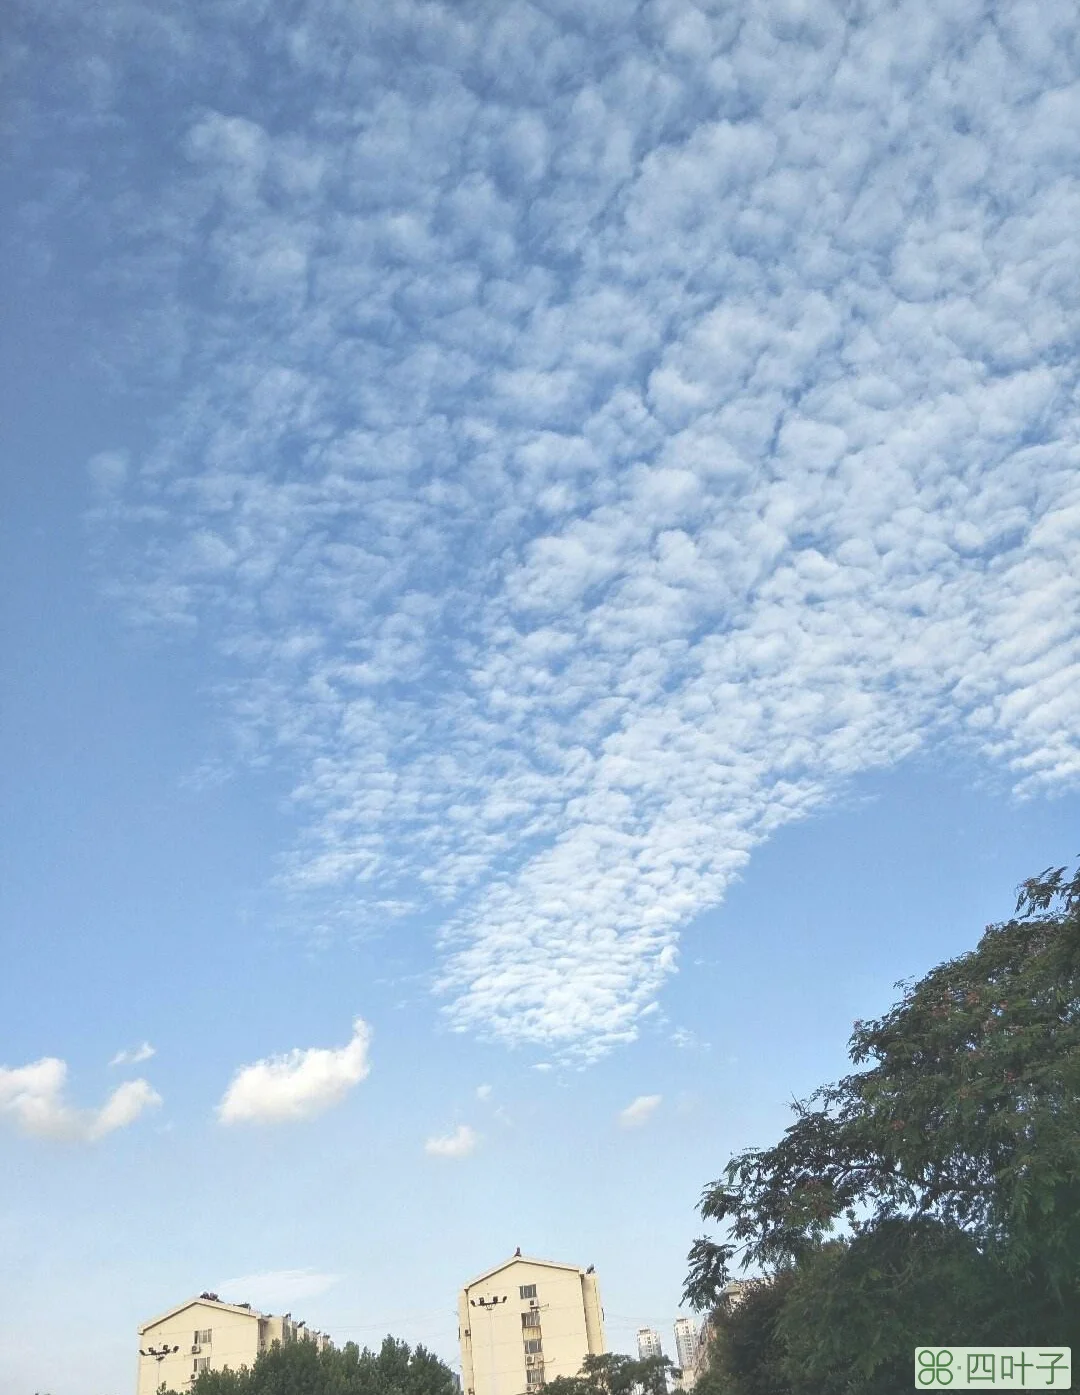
(746, 1355)
(298, 1368)
(613, 1373)
(951, 1160)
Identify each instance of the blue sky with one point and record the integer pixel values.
(539, 579)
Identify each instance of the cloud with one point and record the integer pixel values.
(458, 1144)
(639, 1111)
(135, 1056)
(108, 472)
(278, 1288)
(32, 1097)
(297, 1085)
(483, 1092)
(621, 440)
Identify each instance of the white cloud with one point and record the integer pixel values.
(134, 1056)
(277, 1289)
(639, 1111)
(621, 443)
(297, 1085)
(458, 1144)
(483, 1092)
(32, 1097)
(108, 472)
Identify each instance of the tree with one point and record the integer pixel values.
(746, 1354)
(614, 1374)
(298, 1368)
(936, 1189)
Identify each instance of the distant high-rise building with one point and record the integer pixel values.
(648, 1343)
(685, 1343)
(524, 1323)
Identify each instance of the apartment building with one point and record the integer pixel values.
(524, 1323)
(686, 1340)
(205, 1334)
(648, 1343)
(693, 1342)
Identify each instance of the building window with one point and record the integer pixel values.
(527, 1290)
(530, 1319)
(533, 1345)
(202, 1337)
(534, 1377)
(202, 1363)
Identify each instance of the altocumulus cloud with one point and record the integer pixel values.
(458, 1144)
(297, 1085)
(32, 1097)
(598, 440)
(639, 1111)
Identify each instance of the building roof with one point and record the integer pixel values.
(522, 1259)
(242, 1308)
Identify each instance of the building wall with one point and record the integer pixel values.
(289, 1329)
(568, 1325)
(648, 1343)
(685, 1342)
(692, 1371)
(236, 1338)
(234, 1341)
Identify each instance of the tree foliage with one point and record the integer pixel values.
(933, 1195)
(299, 1369)
(746, 1353)
(614, 1374)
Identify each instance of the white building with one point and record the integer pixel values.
(693, 1342)
(648, 1343)
(205, 1334)
(525, 1322)
(686, 1339)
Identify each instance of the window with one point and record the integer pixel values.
(202, 1337)
(533, 1378)
(527, 1291)
(530, 1319)
(202, 1363)
(533, 1345)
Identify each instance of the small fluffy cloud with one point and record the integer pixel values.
(483, 1092)
(639, 1111)
(134, 1056)
(458, 1144)
(278, 1288)
(32, 1097)
(297, 1085)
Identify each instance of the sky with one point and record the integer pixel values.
(538, 574)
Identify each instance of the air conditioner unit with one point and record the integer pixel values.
(534, 1302)
(196, 1349)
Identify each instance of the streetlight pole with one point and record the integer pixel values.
(489, 1306)
(159, 1354)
